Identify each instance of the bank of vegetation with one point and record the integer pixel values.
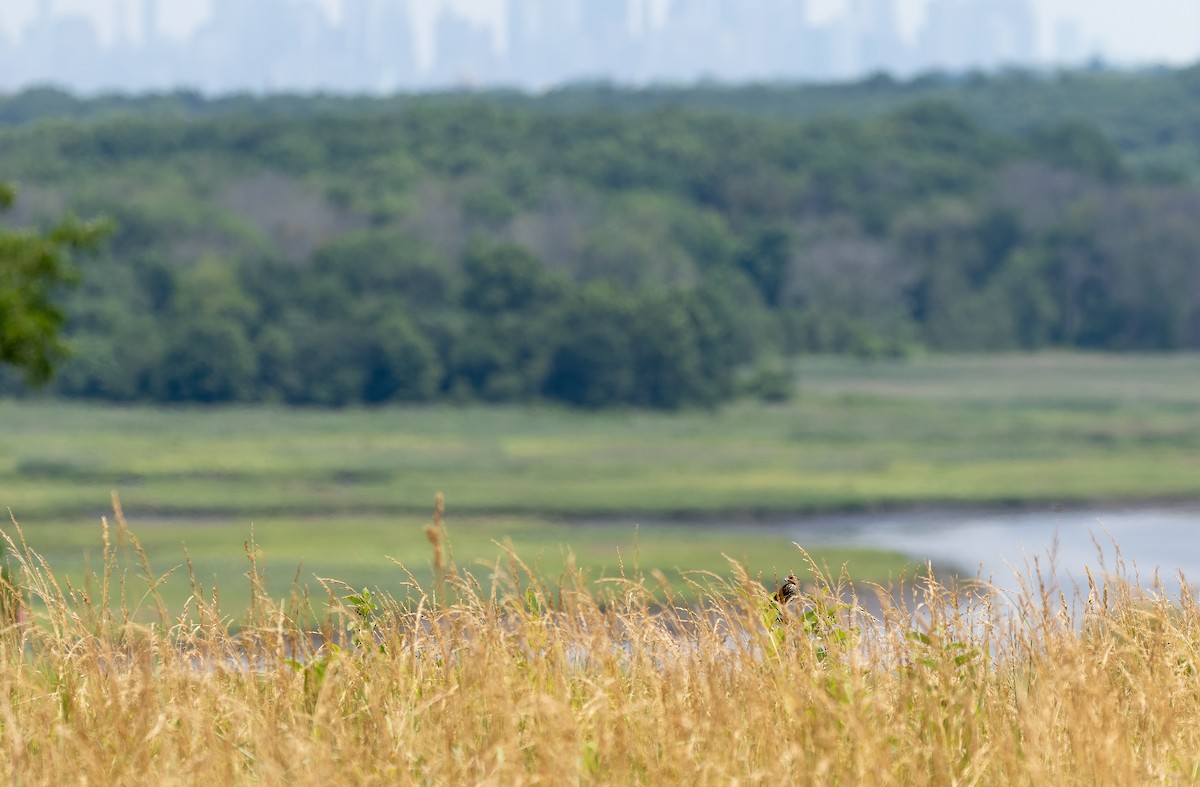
(332, 490)
(502, 676)
(959, 431)
(597, 251)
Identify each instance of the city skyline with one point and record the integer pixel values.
(386, 45)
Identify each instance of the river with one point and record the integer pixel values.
(999, 545)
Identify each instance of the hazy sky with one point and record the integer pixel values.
(1127, 31)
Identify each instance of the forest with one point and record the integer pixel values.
(596, 246)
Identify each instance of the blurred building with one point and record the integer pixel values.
(375, 46)
(878, 45)
(977, 34)
(465, 53)
(551, 41)
(60, 49)
(371, 45)
(394, 38)
(241, 44)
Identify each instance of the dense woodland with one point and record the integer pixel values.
(594, 246)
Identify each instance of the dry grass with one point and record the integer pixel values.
(499, 676)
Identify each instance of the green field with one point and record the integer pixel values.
(356, 551)
(336, 491)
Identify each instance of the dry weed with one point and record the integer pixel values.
(501, 676)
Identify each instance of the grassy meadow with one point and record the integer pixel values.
(513, 678)
(334, 492)
(563, 622)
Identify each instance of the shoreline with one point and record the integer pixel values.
(732, 517)
(939, 510)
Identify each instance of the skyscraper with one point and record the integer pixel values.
(149, 24)
(689, 43)
(603, 41)
(84, 69)
(596, 15)
(395, 44)
(1014, 32)
(554, 40)
(464, 51)
(1069, 48)
(877, 36)
(525, 35)
(558, 40)
(356, 16)
(242, 44)
(947, 40)
(120, 24)
(9, 75)
(38, 59)
(357, 53)
(792, 51)
(963, 34)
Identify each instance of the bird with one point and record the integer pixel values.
(788, 590)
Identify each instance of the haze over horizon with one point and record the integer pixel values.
(382, 45)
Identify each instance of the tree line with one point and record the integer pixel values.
(1151, 114)
(459, 249)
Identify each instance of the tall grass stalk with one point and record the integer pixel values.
(498, 675)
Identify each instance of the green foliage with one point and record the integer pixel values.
(773, 384)
(504, 278)
(1078, 146)
(500, 247)
(667, 368)
(403, 366)
(381, 264)
(592, 364)
(208, 361)
(364, 627)
(34, 267)
(765, 261)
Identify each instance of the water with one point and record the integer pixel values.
(1001, 545)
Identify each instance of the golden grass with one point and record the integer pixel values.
(504, 677)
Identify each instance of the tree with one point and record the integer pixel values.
(766, 260)
(505, 277)
(666, 360)
(1078, 146)
(848, 294)
(593, 363)
(209, 362)
(403, 366)
(34, 266)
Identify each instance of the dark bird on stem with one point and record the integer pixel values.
(788, 590)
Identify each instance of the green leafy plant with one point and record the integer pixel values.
(34, 267)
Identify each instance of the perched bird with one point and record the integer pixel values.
(788, 590)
